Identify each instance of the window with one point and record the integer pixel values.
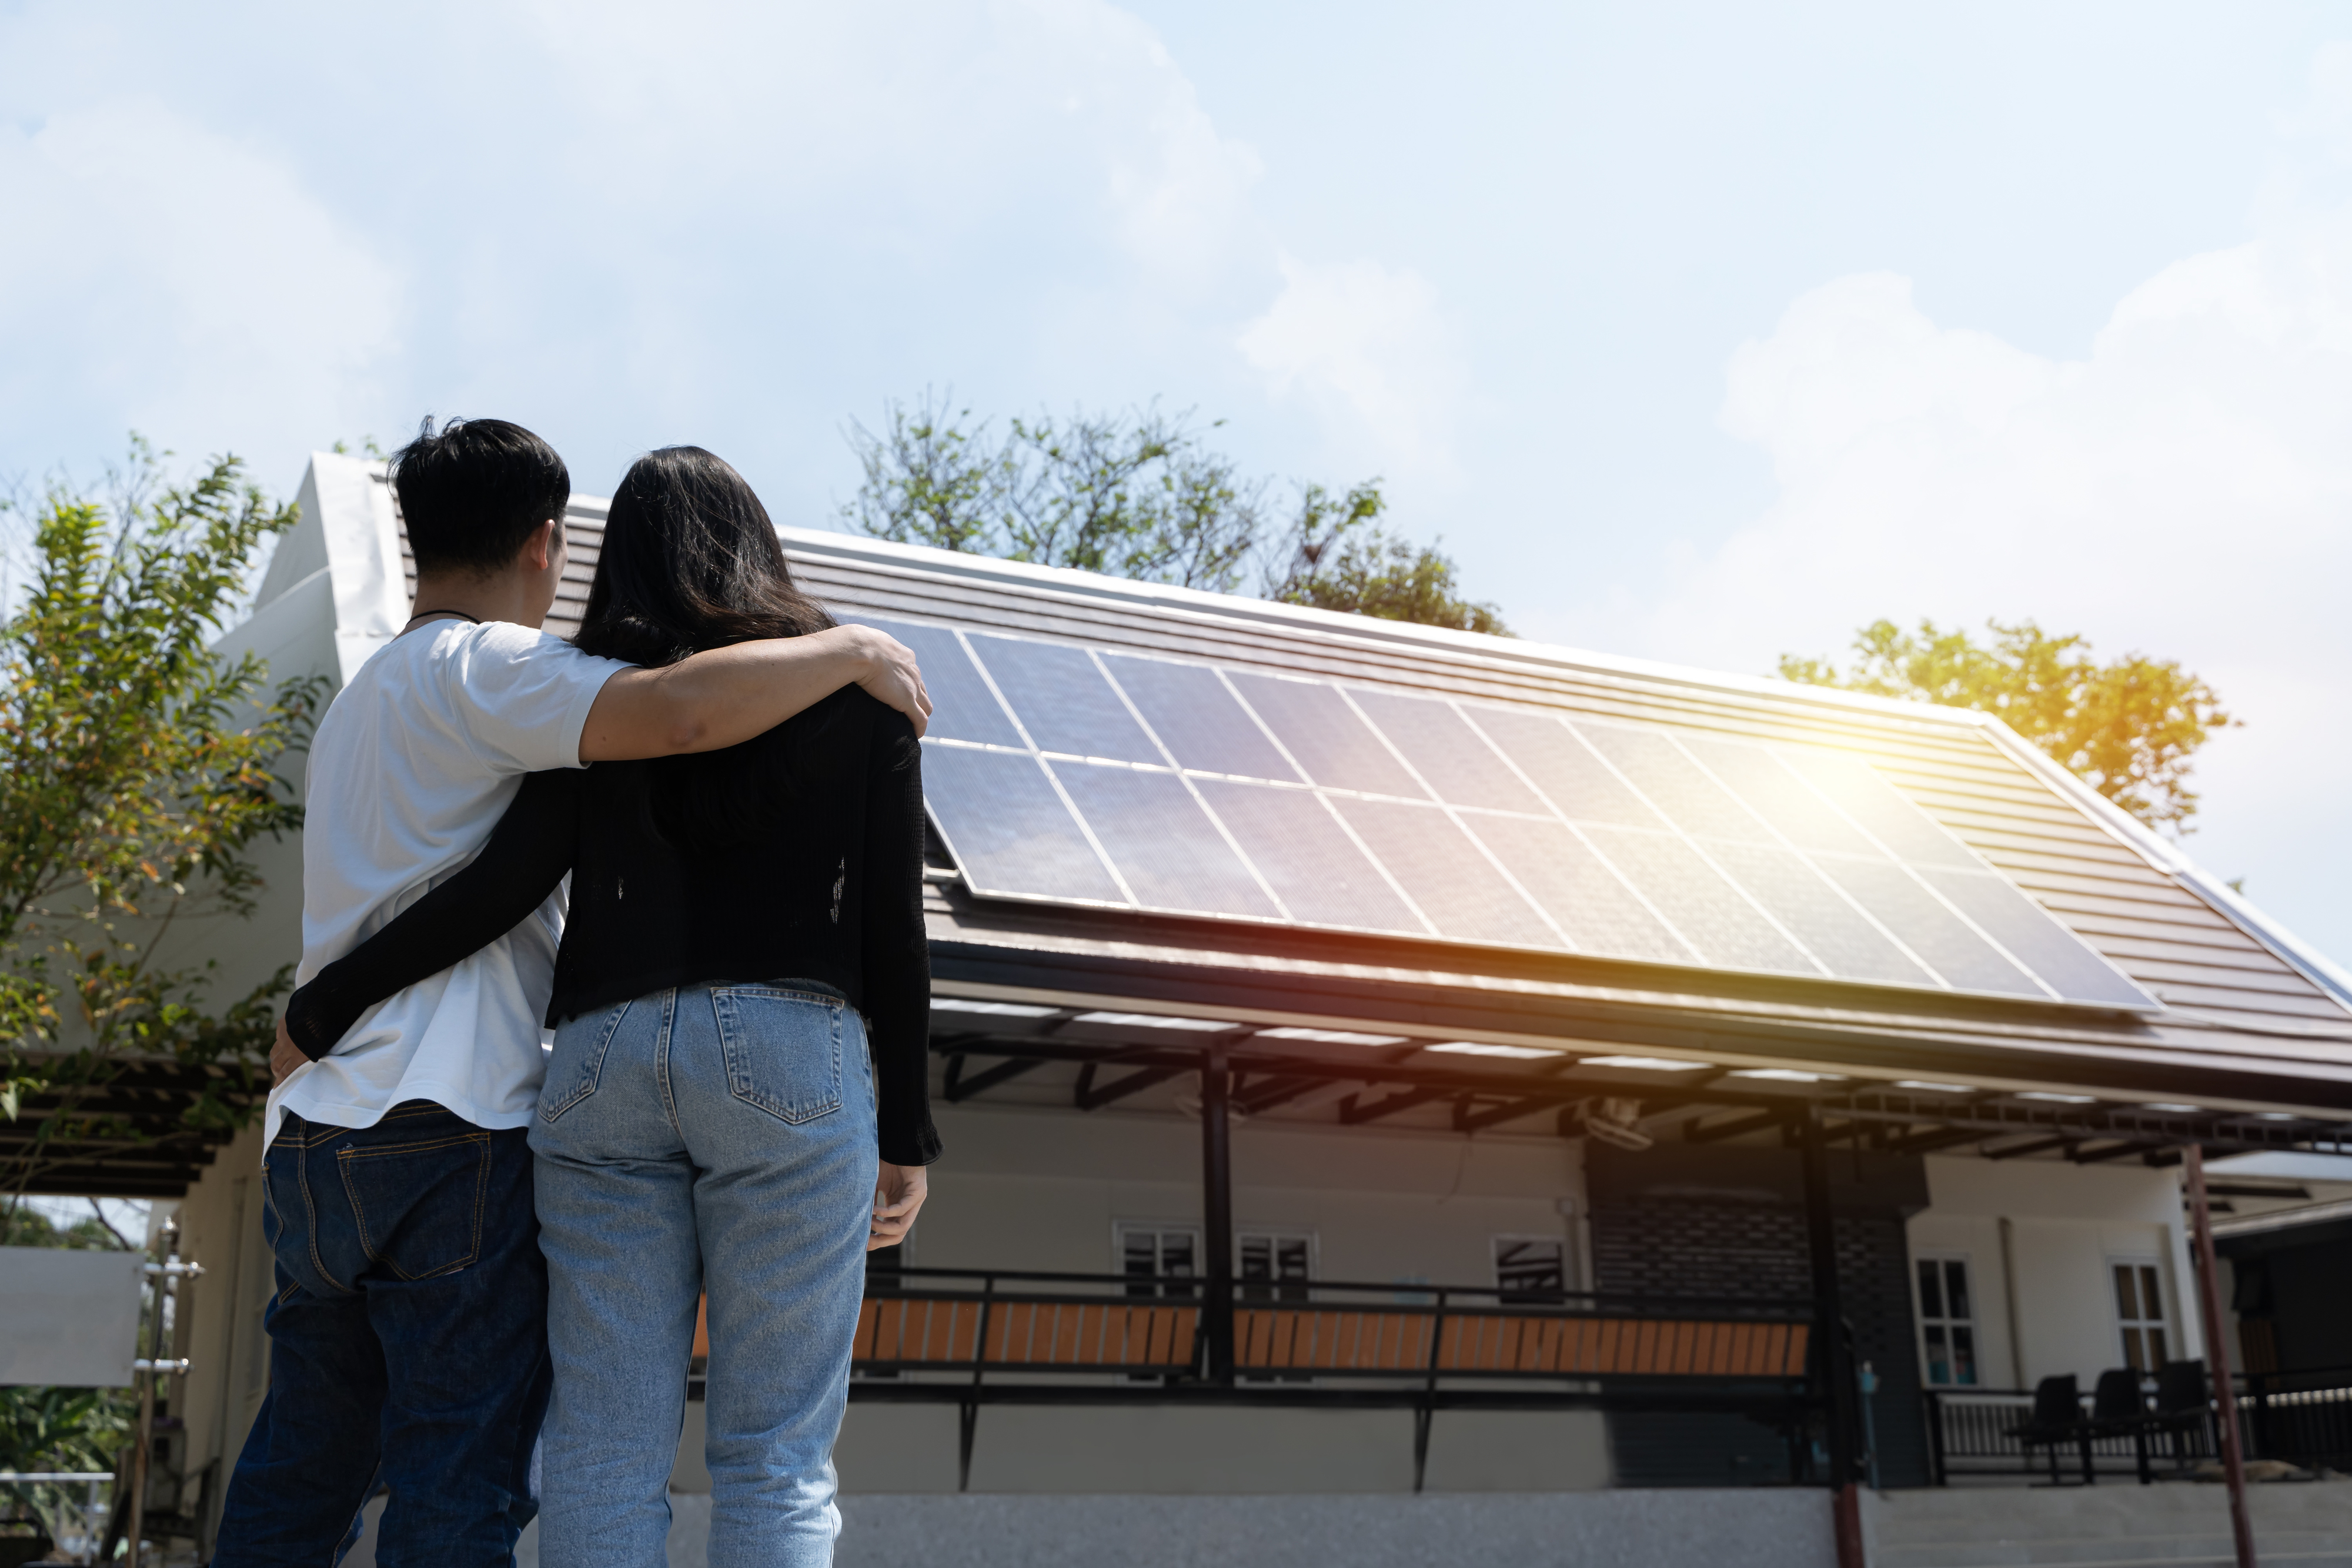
(1276, 1266)
(2139, 1309)
(1947, 1327)
(1155, 1257)
(1530, 1268)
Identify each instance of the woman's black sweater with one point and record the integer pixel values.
(803, 860)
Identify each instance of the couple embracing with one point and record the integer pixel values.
(473, 1234)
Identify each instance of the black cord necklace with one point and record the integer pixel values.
(423, 614)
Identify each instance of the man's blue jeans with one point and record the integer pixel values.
(408, 1339)
(718, 1137)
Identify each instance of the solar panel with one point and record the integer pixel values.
(1834, 929)
(1452, 757)
(1574, 779)
(1318, 871)
(1859, 790)
(1162, 843)
(962, 707)
(1326, 737)
(1009, 827)
(1198, 719)
(1236, 794)
(1728, 931)
(1063, 701)
(2026, 929)
(1595, 908)
(1928, 926)
(1440, 870)
(1664, 772)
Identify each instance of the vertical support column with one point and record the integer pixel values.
(1839, 1401)
(2217, 1353)
(1217, 1213)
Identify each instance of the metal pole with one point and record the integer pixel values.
(1829, 1320)
(144, 1434)
(1217, 1213)
(2216, 1353)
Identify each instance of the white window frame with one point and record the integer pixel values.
(1496, 1243)
(1278, 1233)
(1121, 1228)
(1945, 1320)
(2147, 1270)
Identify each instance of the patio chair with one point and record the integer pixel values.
(2057, 1418)
(2183, 1404)
(2118, 1409)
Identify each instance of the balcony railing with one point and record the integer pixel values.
(1004, 1321)
(2302, 1418)
(971, 1337)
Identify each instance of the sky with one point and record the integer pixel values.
(1696, 332)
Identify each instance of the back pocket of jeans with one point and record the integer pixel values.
(419, 1206)
(572, 1079)
(783, 1048)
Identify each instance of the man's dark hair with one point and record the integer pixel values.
(473, 492)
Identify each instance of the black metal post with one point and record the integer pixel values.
(1835, 1359)
(1217, 1213)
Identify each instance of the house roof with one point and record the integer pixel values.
(2248, 1016)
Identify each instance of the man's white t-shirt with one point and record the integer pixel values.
(411, 767)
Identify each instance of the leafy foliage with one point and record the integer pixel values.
(1339, 558)
(1140, 496)
(136, 767)
(2128, 728)
(61, 1429)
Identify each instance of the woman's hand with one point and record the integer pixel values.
(899, 1194)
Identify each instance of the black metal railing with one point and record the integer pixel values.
(1028, 1322)
(974, 1337)
(2303, 1418)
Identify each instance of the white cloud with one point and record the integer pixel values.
(1369, 348)
(2185, 491)
(182, 280)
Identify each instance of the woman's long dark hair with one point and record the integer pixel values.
(690, 562)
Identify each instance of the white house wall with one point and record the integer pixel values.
(2064, 1222)
(1044, 1190)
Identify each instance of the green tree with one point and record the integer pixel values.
(1340, 558)
(56, 1429)
(1142, 496)
(65, 1430)
(136, 769)
(2129, 726)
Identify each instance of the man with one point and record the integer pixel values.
(409, 1327)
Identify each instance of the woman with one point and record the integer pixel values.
(741, 1003)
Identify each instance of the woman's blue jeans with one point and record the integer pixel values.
(715, 1138)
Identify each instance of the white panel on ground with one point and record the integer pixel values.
(72, 1316)
(1764, 1528)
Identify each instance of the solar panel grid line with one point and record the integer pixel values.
(1363, 849)
(1567, 942)
(2028, 970)
(1469, 714)
(1136, 712)
(1700, 850)
(1085, 829)
(1800, 850)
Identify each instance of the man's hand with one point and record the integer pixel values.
(284, 1057)
(897, 680)
(899, 1194)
